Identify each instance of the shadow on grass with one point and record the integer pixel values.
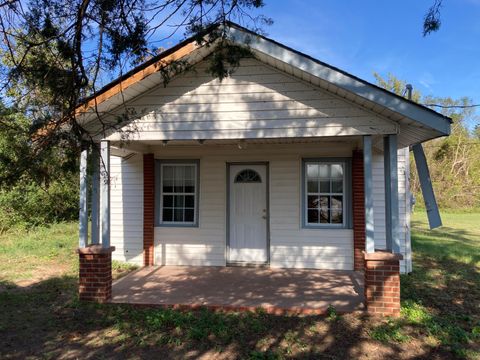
(441, 298)
(47, 321)
(440, 320)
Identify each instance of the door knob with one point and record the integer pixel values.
(264, 217)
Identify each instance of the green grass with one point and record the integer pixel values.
(441, 298)
(25, 253)
(42, 317)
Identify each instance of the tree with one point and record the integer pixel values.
(454, 161)
(54, 53)
(432, 20)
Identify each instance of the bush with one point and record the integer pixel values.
(29, 204)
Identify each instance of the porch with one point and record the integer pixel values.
(279, 291)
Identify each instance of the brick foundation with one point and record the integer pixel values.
(382, 283)
(148, 207)
(358, 204)
(95, 273)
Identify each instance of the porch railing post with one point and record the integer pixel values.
(95, 195)
(105, 192)
(391, 193)
(83, 212)
(368, 184)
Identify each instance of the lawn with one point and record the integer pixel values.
(42, 318)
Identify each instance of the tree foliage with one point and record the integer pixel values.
(454, 161)
(55, 53)
(432, 20)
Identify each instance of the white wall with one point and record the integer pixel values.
(403, 199)
(291, 246)
(126, 201)
(257, 101)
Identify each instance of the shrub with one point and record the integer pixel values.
(29, 204)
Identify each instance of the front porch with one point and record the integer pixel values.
(279, 291)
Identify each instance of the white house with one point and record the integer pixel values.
(288, 162)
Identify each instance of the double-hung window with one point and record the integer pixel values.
(325, 193)
(177, 192)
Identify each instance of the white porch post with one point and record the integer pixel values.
(367, 171)
(391, 193)
(95, 196)
(83, 213)
(105, 192)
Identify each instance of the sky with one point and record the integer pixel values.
(385, 36)
(362, 37)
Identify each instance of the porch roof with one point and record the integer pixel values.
(417, 123)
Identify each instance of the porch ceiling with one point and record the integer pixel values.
(242, 288)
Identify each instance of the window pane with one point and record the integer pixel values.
(167, 215)
(325, 186)
(168, 172)
(324, 216)
(178, 215)
(337, 216)
(337, 171)
(179, 175)
(189, 186)
(176, 181)
(323, 172)
(326, 179)
(324, 201)
(312, 186)
(313, 202)
(190, 201)
(337, 202)
(179, 201)
(337, 186)
(189, 215)
(167, 185)
(167, 201)
(312, 171)
(189, 172)
(312, 216)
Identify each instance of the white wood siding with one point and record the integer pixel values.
(257, 101)
(379, 206)
(291, 246)
(126, 201)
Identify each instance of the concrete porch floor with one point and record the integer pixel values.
(242, 288)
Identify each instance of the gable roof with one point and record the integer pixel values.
(331, 78)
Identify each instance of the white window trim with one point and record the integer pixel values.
(346, 194)
(160, 194)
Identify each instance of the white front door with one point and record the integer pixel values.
(248, 214)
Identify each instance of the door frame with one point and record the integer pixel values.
(267, 223)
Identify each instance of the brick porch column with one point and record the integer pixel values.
(148, 208)
(95, 273)
(382, 283)
(358, 204)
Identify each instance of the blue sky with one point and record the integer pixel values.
(367, 36)
(361, 37)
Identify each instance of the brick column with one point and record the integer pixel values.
(95, 273)
(148, 207)
(358, 204)
(382, 283)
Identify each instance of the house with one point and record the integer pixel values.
(288, 162)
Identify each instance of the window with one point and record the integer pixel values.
(177, 189)
(248, 176)
(325, 193)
